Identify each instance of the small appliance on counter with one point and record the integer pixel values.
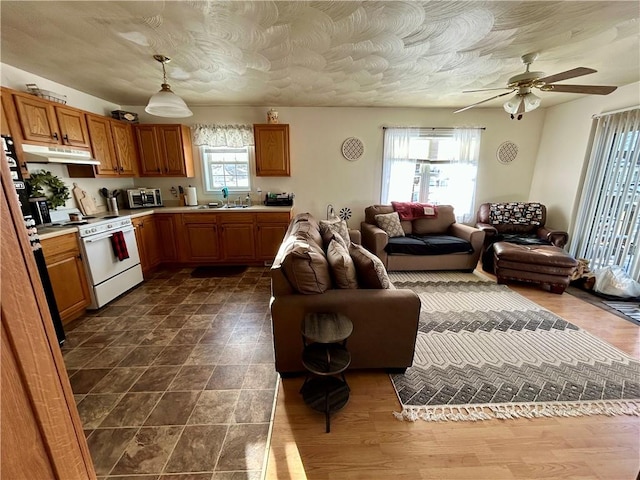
(144, 197)
(40, 210)
(279, 199)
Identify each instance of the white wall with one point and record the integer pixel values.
(17, 79)
(320, 175)
(563, 156)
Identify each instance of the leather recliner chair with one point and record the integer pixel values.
(521, 223)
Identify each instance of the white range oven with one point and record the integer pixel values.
(107, 274)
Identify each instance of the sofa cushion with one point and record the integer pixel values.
(306, 230)
(369, 269)
(334, 226)
(306, 267)
(390, 223)
(428, 245)
(440, 224)
(342, 267)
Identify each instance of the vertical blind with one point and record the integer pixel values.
(607, 227)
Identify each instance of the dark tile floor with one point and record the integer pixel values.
(177, 376)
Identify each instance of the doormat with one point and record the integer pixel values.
(219, 271)
(484, 351)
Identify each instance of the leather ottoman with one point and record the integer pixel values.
(541, 264)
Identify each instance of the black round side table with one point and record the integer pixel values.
(325, 356)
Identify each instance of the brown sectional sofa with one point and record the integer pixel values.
(376, 240)
(385, 321)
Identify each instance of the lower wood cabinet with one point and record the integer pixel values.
(148, 242)
(200, 238)
(67, 273)
(240, 238)
(237, 235)
(167, 237)
(271, 228)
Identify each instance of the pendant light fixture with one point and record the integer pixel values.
(165, 103)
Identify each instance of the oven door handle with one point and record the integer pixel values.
(97, 239)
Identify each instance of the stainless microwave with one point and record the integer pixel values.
(144, 197)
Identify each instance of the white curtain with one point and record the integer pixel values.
(398, 168)
(222, 135)
(607, 227)
(465, 162)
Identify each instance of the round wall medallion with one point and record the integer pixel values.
(507, 152)
(352, 149)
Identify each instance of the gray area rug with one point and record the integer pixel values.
(484, 351)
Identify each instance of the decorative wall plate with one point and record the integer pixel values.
(507, 152)
(352, 149)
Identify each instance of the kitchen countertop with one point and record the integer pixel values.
(51, 232)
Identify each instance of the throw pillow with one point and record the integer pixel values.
(369, 268)
(390, 223)
(306, 268)
(334, 226)
(342, 267)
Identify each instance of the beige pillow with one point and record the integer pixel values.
(306, 268)
(369, 268)
(390, 223)
(334, 226)
(342, 267)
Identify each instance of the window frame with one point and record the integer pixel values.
(206, 163)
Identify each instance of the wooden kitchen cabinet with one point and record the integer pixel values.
(271, 228)
(272, 150)
(10, 126)
(200, 237)
(46, 122)
(113, 145)
(237, 236)
(165, 150)
(67, 274)
(167, 238)
(147, 241)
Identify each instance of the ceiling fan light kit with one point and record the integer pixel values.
(525, 101)
(165, 103)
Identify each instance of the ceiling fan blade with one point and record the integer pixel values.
(591, 89)
(576, 72)
(483, 101)
(484, 90)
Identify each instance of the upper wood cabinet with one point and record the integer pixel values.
(272, 150)
(112, 143)
(10, 126)
(165, 150)
(42, 121)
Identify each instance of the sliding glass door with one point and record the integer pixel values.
(607, 229)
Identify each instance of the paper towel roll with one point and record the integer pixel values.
(192, 197)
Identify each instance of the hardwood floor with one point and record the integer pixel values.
(367, 442)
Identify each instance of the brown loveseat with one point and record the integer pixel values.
(385, 321)
(444, 225)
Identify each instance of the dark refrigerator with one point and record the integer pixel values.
(32, 233)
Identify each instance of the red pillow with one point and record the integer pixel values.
(413, 210)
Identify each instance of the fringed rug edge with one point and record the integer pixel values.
(474, 413)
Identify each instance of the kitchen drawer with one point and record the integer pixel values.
(237, 218)
(62, 244)
(199, 218)
(273, 218)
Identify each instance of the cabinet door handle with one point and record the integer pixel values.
(121, 169)
(159, 171)
(115, 169)
(55, 135)
(65, 137)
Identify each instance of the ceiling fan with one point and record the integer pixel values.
(525, 101)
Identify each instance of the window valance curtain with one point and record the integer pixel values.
(222, 135)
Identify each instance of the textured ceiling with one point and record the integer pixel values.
(398, 53)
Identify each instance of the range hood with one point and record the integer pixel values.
(65, 155)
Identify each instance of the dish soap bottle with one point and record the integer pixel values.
(247, 200)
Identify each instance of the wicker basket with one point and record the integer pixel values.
(46, 94)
